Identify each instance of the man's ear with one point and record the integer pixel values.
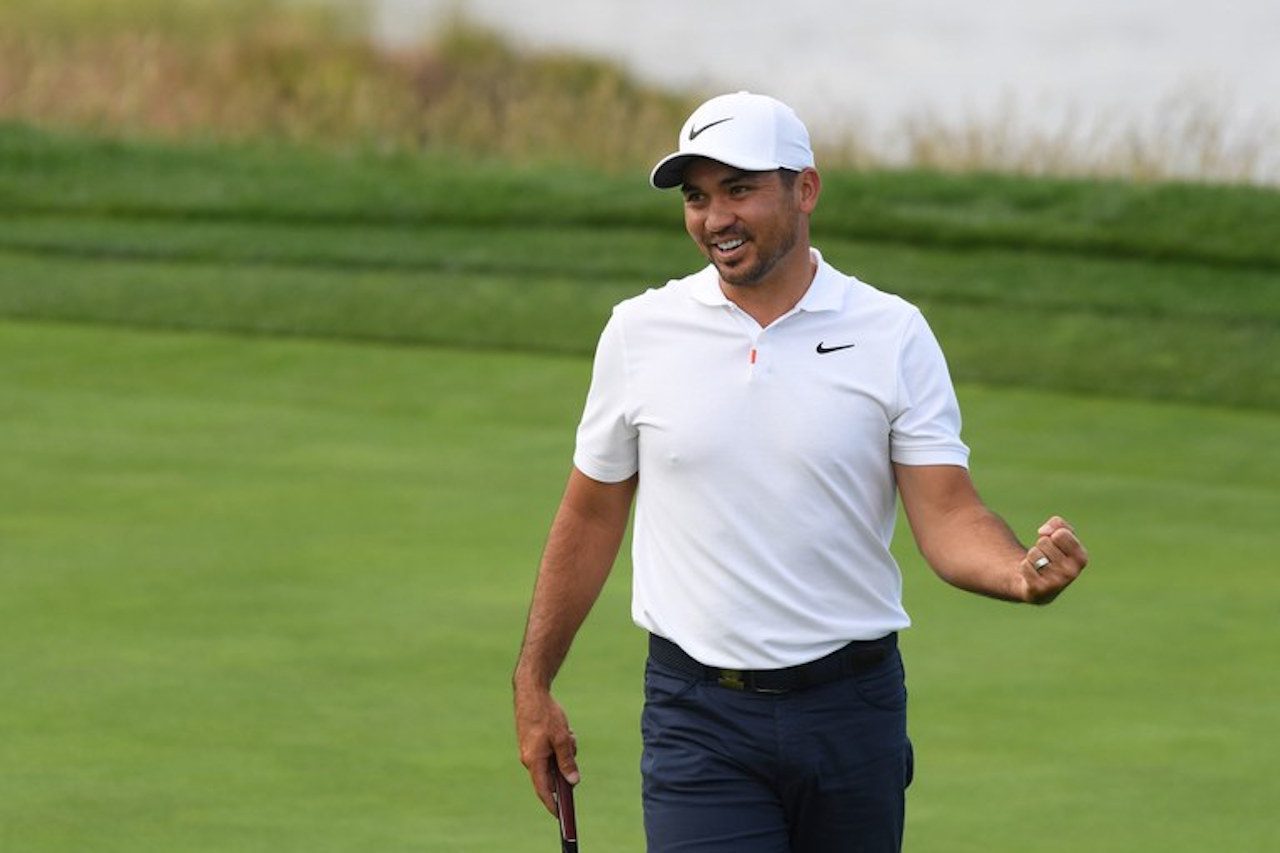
(808, 188)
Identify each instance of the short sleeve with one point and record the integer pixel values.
(926, 426)
(607, 442)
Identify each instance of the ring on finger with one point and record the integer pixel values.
(1040, 563)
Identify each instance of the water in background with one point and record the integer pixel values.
(1195, 74)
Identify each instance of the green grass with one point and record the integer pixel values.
(265, 595)
(44, 172)
(1165, 292)
(253, 595)
(260, 593)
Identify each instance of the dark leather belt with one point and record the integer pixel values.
(858, 656)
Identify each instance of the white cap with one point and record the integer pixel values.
(755, 133)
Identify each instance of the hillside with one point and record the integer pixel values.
(1162, 291)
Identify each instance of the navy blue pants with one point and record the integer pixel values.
(817, 770)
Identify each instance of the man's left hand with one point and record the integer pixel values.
(1052, 563)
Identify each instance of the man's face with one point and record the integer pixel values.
(744, 222)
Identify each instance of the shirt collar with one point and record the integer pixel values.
(824, 294)
(826, 291)
(706, 287)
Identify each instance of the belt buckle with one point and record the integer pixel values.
(730, 678)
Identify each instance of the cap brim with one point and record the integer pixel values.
(670, 169)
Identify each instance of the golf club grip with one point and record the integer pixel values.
(565, 811)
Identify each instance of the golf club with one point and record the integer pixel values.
(564, 810)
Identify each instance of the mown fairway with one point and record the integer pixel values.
(263, 593)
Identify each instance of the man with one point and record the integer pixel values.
(766, 411)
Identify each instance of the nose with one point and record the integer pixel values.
(719, 215)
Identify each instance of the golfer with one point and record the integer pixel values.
(765, 413)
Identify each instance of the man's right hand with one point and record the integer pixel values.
(542, 731)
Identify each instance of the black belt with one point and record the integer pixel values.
(858, 656)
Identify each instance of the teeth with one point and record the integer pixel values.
(730, 245)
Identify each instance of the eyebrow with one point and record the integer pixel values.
(737, 176)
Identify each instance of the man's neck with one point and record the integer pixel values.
(767, 300)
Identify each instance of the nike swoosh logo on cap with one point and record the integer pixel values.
(695, 132)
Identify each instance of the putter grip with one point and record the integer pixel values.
(565, 811)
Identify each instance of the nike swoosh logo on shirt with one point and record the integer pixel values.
(823, 350)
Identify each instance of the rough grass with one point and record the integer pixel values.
(308, 72)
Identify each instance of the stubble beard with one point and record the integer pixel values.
(753, 274)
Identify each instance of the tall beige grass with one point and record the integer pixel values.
(307, 72)
(1187, 135)
(304, 73)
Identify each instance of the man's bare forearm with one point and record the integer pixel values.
(972, 548)
(580, 552)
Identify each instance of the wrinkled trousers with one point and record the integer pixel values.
(818, 770)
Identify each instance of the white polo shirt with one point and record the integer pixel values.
(766, 500)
